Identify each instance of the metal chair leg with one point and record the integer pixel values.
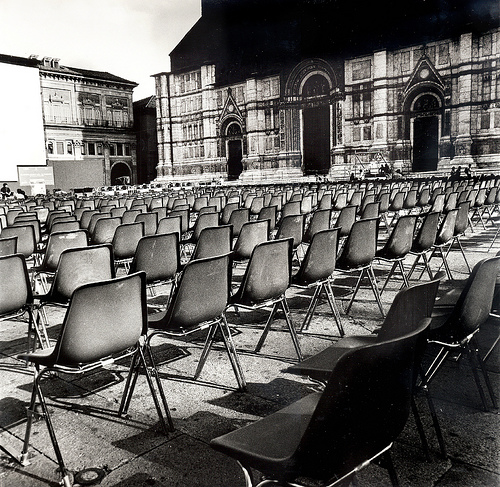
(334, 307)
(233, 354)
(291, 328)
(420, 429)
(263, 337)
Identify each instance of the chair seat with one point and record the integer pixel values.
(319, 366)
(269, 443)
(41, 356)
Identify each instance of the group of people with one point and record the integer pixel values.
(456, 172)
(6, 192)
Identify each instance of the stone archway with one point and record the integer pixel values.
(121, 174)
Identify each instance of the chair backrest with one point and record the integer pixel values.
(104, 230)
(290, 208)
(257, 205)
(8, 245)
(118, 211)
(340, 201)
(26, 242)
(69, 226)
(438, 203)
(397, 202)
(447, 228)
(94, 219)
(129, 216)
(126, 238)
(203, 221)
(268, 273)
(426, 235)
(362, 410)
(269, 213)
(158, 256)
(226, 212)
(371, 210)
(150, 221)
(238, 218)
(291, 226)
(57, 243)
(15, 291)
(103, 318)
(462, 220)
(320, 259)
(474, 303)
(213, 241)
(184, 214)
(401, 239)
(201, 294)
(320, 221)
(409, 307)
(345, 220)
(170, 224)
(199, 203)
(251, 234)
(360, 246)
(78, 266)
(85, 218)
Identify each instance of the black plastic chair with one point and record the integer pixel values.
(16, 296)
(329, 436)
(56, 244)
(315, 271)
(410, 306)
(103, 324)
(266, 279)
(423, 242)
(125, 240)
(199, 303)
(104, 230)
(8, 246)
(358, 255)
(454, 330)
(77, 266)
(397, 247)
(159, 257)
(444, 238)
(251, 234)
(213, 241)
(320, 220)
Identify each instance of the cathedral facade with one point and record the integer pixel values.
(322, 109)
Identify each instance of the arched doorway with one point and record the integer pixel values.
(316, 125)
(425, 117)
(120, 174)
(234, 140)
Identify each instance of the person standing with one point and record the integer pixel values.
(5, 190)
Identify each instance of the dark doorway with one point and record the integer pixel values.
(316, 140)
(425, 143)
(120, 174)
(234, 159)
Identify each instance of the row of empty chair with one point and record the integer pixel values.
(114, 316)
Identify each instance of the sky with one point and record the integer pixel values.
(128, 38)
